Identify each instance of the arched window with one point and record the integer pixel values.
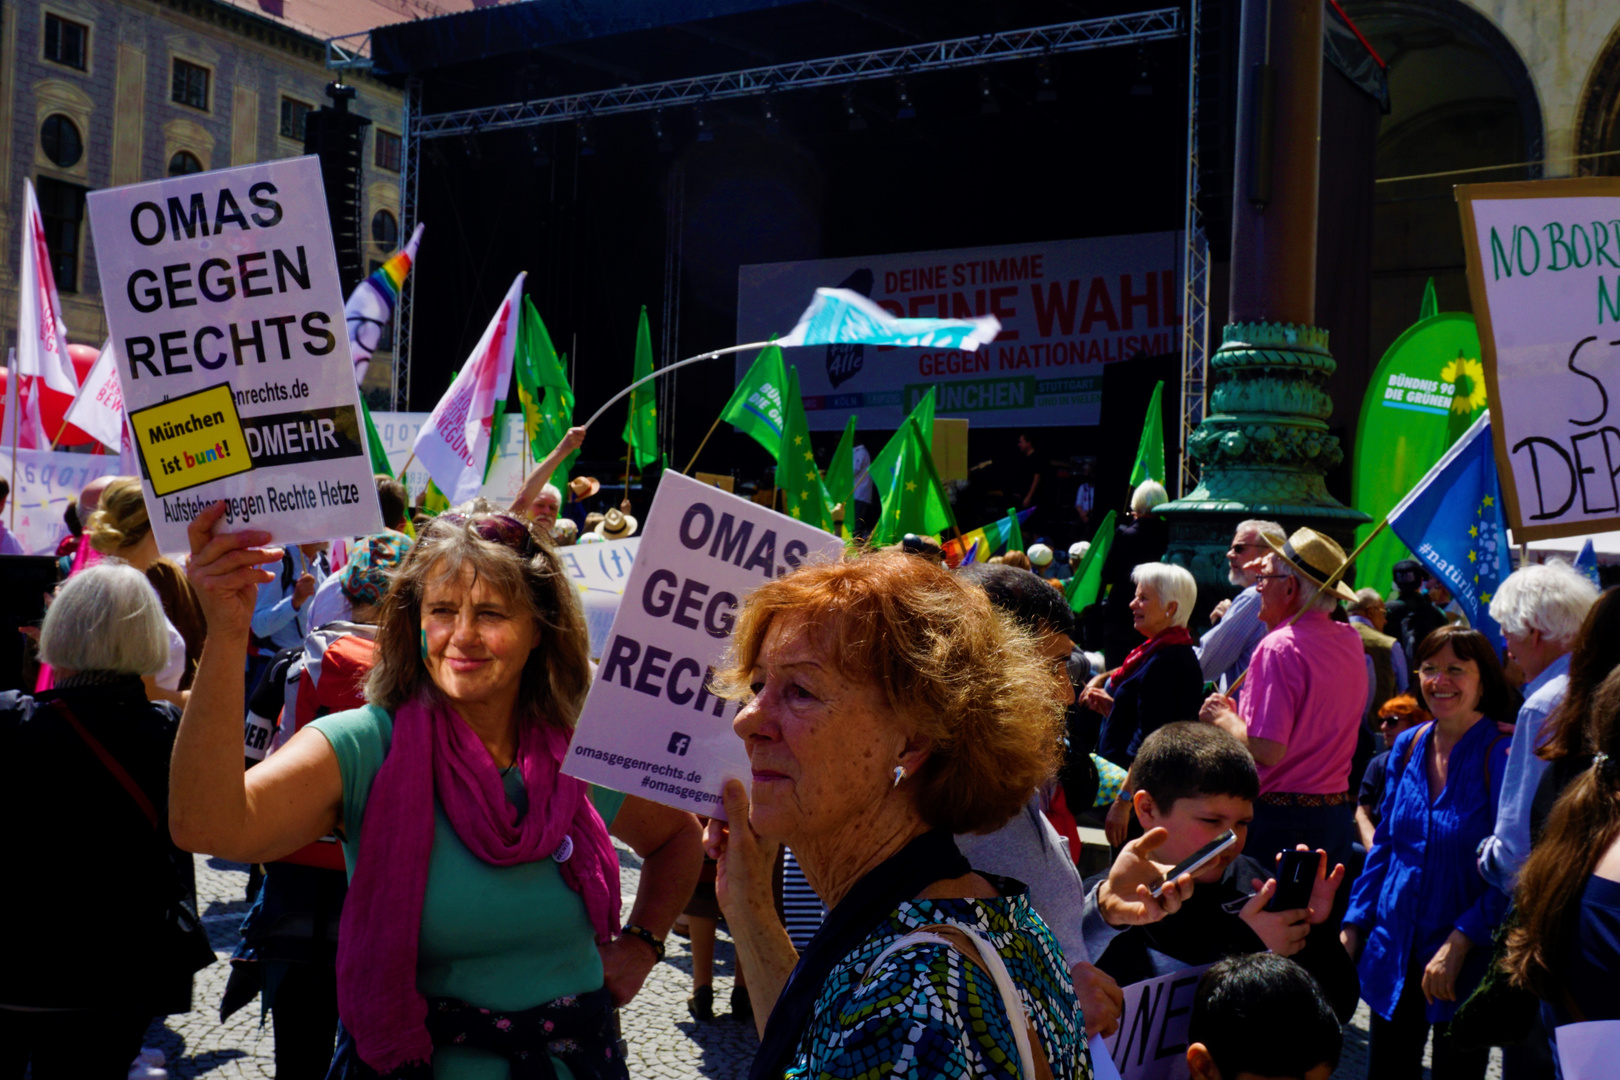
(184, 163)
(60, 139)
(385, 230)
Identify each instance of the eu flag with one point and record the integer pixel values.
(1453, 522)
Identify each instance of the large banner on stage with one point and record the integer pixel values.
(1066, 308)
(1544, 276)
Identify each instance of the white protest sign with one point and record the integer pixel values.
(1587, 1051)
(226, 314)
(650, 725)
(600, 571)
(1151, 1043)
(1544, 276)
(46, 481)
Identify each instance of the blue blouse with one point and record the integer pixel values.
(1421, 882)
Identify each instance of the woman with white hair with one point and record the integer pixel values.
(84, 789)
(1142, 539)
(1160, 682)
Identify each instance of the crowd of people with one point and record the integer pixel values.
(1313, 797)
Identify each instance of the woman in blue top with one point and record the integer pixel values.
(1420, 915)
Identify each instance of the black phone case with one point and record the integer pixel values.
(1296, 877)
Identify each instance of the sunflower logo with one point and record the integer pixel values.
(1468, 376)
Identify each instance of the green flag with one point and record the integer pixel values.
(1150, 450)
(548, 400)
(1015, 530)
(755, 407)
(803, 494)
(916, 500)
(641, 428)
(497, 435)
(841, 476)
(436, 503)
(374, 443)
(1425, 392)
(886, 466)
(1085, 586)
(1431, 302)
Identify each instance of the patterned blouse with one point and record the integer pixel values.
(927, 1012)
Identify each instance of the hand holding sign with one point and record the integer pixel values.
(225, 571)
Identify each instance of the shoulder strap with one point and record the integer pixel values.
(1417, 736)
(1032, 1060)
(1489, 750)
(119, 773)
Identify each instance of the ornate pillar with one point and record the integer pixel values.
(1263, 448)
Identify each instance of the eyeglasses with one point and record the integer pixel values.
(503, 529)
(1258, 578)
(1240, 548)
(1450, 671)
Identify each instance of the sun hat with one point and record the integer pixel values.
(583, 487)
(1317, 557)
(617, 525)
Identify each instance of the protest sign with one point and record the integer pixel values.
(45, 482)
(1587, 1051)
(1544, 276)
(1066, 308)
(600, 572)
(1151, 1043)
(650, 725)
(226, 315)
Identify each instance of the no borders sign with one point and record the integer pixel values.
(226, 315)
(1544, 275)
(651, 726)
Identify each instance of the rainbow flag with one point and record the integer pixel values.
(990, 539)
(371, 306)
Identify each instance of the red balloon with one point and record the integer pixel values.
(53, 404)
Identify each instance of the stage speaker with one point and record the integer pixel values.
(337, 136)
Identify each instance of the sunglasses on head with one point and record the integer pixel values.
(503, 529)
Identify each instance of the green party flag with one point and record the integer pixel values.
(1431, 302)
(803, 493)
(841, 476)
(497, 435)
(548, 400)
(1014, 530)
(755, 407)
(1425, 392)
(641, 427)
(1150, 450)
(374, 443)
(435, 503)
(1085, 586)
(886, 466)
(916, 501)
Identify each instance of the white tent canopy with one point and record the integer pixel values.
(1606, 545)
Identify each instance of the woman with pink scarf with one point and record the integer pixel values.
(480, 937)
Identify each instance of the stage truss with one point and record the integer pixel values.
(1195, 281)
(353, 52)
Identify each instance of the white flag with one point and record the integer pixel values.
(98, 411)
(42, 347)
(23, 427)
(454, 442)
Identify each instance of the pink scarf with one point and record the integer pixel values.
(436, 756)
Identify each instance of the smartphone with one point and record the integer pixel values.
(1296, 877)
(1197, 860)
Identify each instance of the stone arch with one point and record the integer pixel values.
(1597, 117)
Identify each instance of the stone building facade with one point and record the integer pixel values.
(102, 93)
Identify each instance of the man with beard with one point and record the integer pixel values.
(1224, 651)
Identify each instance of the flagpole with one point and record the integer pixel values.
(59, 433)
(1333, 579)
(668, 368)
(688, 470)
(16, 422)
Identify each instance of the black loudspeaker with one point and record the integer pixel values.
(337, 136)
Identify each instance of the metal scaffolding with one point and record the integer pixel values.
(410, 168)
(1134, 29)
(1195, 280)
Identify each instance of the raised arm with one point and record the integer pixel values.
(541, 476)
(215, 807)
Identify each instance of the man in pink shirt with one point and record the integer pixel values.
(1304, 696)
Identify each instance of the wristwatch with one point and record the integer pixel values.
(641, 932)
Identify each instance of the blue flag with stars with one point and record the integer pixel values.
(1453, 522)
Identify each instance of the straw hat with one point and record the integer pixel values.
(617, 525)
(583, 487)
(1317, 557)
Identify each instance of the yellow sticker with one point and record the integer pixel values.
(191, 440)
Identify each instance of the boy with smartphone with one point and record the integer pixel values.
(1192, 783)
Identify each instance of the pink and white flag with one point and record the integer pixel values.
(23, 429)
(454, 442)
(42, 347)
(98, 411)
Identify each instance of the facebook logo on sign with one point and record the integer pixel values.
(678, 743)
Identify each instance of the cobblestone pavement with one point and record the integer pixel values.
(664, 1040)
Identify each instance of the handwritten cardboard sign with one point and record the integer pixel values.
(1151, 1043)
(651, 725)
(1544, 275)
(226, 318)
